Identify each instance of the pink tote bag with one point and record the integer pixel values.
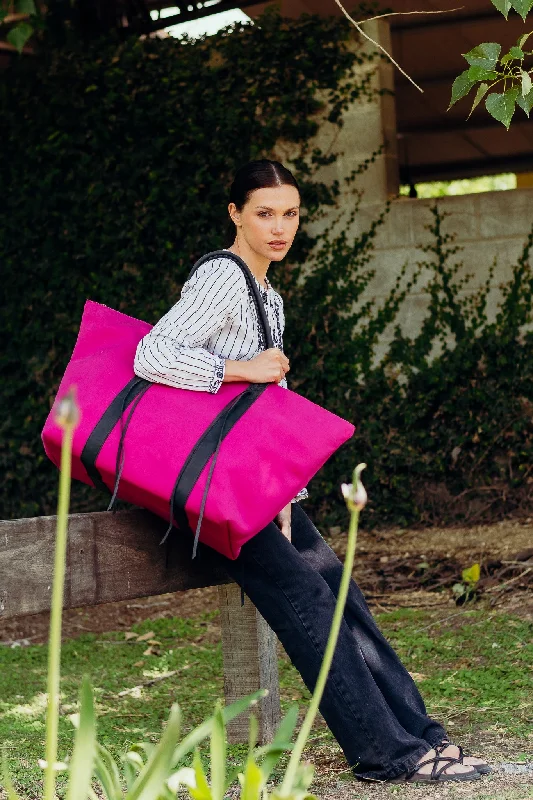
(220, 465)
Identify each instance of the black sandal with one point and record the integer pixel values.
(437, 774)
(483, 768)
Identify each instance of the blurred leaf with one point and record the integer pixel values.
(527, 84)
(19, 35)
(158, 768)
(183, 777)
(202, 790)
(202, 731)
(6, 777)
(25, 7)
(253, 731)
(251, 781)
(83, 755)
(218, 756)
(280, 744)
(105, 771)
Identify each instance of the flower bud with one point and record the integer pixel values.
(67, 412)
(356, 497)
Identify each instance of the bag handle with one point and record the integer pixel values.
(250, 280)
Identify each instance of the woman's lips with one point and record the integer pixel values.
(277, 245)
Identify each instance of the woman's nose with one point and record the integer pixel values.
(277, 227)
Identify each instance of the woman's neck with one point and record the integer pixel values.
(257, 264)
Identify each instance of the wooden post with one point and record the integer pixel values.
(250, 663)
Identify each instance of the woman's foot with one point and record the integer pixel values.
(439, 765)
(457, 752)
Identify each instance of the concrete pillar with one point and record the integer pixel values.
(368, 125)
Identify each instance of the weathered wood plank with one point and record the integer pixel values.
(250, 663)
(110, 557)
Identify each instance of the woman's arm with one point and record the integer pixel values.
(174, 351)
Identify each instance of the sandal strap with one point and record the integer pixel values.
(440, 748)
(435, 773)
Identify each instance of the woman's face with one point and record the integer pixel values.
(268, 221)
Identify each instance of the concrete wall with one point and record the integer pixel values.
(490, 226)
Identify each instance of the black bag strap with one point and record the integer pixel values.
(252, 285)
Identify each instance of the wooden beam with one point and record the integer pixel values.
(110, 557)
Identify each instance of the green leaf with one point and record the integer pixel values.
(202, 790)
(502, 5)
(158, 768)
(482, 74)
(502, 106)
(19, 35)
(25, 7)
(252, 781)
(6, 777)
(516, 52)
(523, 7)
(527, 83)
(218, 756)
(481, 92)
(183, 777)
(281, 742)
(104, 772)
(472, 574)
(525, 103)
(522, 40)
(253, 732)
(83, 755)
(202, 731)
(461, 86)
(484, 55)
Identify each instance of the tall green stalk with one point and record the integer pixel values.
(67, 418)
(355, 499)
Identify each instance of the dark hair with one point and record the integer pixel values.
(260, 174)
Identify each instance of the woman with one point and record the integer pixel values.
(212, 336)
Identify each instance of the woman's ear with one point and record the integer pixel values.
(234, 214)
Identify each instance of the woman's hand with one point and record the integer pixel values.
(269, 366)
(283, 521)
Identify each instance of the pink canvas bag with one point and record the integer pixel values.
(220, 465)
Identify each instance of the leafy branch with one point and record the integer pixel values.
(18, 16)
(489, 69)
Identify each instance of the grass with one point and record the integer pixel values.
(474, 672)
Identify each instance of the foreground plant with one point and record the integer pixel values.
(154, 772)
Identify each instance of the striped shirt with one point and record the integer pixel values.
(214, 319)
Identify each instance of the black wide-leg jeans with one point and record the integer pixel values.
(370, 702)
